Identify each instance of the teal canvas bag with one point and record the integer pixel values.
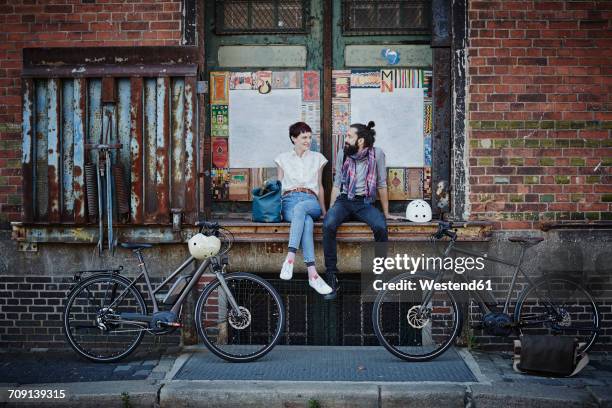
(267, 202)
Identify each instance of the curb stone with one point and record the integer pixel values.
(254, 394)
(602, 394)
(422, 395)
(140, 393)
(529, 396)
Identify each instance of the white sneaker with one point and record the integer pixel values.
(287, 271)
(319, 285)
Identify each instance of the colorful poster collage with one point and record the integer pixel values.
(236, 184)
(403, 183)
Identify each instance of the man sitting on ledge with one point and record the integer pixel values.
(360, 172)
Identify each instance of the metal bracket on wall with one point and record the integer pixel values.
(27, 247)
(275, 247)
(202, 87)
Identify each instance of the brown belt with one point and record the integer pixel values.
(300, 190)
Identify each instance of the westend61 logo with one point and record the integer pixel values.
(405, 263)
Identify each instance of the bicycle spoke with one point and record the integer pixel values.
(244, 335)
(412, 329)
(92, 329)
(559, 306)
(92, 298)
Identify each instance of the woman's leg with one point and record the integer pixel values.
(288, 204)
(308, 241)
(301, 210)
(308, 247)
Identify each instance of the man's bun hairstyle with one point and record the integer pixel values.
(366, 132)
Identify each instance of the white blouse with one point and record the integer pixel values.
(300, 171)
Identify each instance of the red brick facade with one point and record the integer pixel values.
(540, 106)
(540, 111)
(65, 23)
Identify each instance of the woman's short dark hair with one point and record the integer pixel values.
(297, 129)
(366, 132)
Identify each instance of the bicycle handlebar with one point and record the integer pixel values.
(445, 229)
(207, 224)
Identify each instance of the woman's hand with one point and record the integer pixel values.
(393, 217)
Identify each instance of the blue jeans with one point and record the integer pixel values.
(301, 209)
(342, 210)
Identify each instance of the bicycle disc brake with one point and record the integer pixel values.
(416, 318)
(239, 322)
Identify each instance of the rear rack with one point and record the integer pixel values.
(79, 274)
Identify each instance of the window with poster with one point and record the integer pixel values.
(268, 64)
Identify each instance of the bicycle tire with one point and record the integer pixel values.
(545, 280)
(224, 354)
(74, 344)
(396, 351)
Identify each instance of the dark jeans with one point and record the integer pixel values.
(342, 210)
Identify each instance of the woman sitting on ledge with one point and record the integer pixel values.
(300, 171)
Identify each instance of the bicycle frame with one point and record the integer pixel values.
(176, 307)
(484, 306)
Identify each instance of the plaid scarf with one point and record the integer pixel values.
(349, 170)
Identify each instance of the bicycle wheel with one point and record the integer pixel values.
(412, 332)
(558, 306)
(92, 324)
(240, 338)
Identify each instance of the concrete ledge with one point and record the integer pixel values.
(422, 395)
(602, 394)
(142, 393)
(253, 394)
(519, 395)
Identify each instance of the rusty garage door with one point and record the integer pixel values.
(147, 106)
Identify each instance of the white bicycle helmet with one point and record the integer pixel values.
(202, 246)
(418, 211)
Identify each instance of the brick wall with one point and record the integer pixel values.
(540, 111)
(31, 309)
(65, 23)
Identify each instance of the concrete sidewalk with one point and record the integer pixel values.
(493, 384)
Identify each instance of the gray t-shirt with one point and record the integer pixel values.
(361, 170)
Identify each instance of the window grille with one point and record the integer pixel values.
(261, 16)
(390, 17)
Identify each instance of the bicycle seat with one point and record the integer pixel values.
(527, 241)
(135, 245)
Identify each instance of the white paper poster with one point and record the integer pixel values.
(399, 122)
(259, 125)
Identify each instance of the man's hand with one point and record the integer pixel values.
(334, 194)
(393, 217)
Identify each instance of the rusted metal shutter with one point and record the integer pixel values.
(150, 110)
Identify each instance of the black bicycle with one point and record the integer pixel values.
(421, 324)
(239, 316)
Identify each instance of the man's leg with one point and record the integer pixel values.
(372, 216)
(336, 215)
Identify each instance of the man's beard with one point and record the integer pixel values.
(350, 149)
